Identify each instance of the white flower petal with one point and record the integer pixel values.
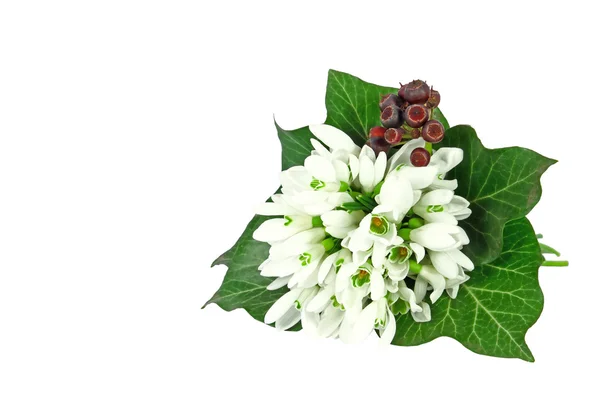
(396, 193)
(380, 250)
(461, 236)
(444, 264)
(326, 266)
(334, 138)
(435, 197)
(321, 300)
(377, 285)
(444, 184)
(331, 320)
(306, 272)
(420, 288)
(289, 319)
(279, 282)
(343, 276)
(359, 241)
(462, 260)
(380, 166)
(436, 280)
(347, 325)
(319, 207)
(310, 322)
(419, 177)
(339, 218)
(320, 168)
(339, 232)
(296, 244)
(320, 149)
(342, 172)
(366, 176)
(423, 316)
(307, 197)
(407, 294)
(446, 158)
(368, 152)
(458, 203)
(418, 249)
(276, 229)
(442, 217)
(285, 267)
(365, 323)
(354, 166)
(436, 236)
(397, 272)
(282, 305)
(390, 329)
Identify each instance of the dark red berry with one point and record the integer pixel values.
(401, 91)
(416, 115)
(433, 131)
(388, 100)
(377, 131)
(415, 133)
(394, 135)
(378, 145)
(420, 157)
(391, 117)
(416, 92)
(434, 99)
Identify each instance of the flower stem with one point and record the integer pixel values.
(548, 250)
(555, 264)
(429, 147)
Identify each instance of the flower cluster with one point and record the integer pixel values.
(363, 238)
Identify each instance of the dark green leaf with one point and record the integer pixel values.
(295, 146)
(495, 308)
(243, 286)
(501, 184)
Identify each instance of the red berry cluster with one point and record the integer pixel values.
(408, 115)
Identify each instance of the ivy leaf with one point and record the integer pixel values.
(501, 184)
(295, 146)
(243, 286)
(495, 308)
(353, 105)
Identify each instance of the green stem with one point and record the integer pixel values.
(548, 250)
(429, 147)
(555, 264)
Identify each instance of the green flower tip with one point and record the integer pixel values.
(404, 233)
(317, 184)
(317, 222)
(435, 209)
(415, 223)
(360, 278)
(379, 225)
(344, 187)
(305, 259)
(414, 266)
(399, 254)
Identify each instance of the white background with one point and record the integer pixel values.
(136, 137)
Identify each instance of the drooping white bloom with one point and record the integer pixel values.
(351, 228)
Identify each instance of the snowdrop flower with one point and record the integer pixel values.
(439, 236)
(351, 228)
(441, 205)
